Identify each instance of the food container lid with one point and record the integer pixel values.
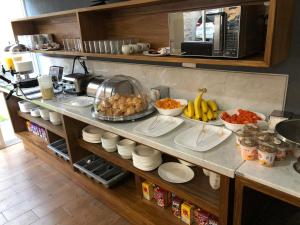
(248, 142)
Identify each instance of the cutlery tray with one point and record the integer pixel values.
(100, 170)
(60, 149)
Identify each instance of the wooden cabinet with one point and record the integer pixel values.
(147, 20)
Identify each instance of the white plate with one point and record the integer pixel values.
(158, 125)
(81, 101)
(197, 140)
(147, 53)
(175, 172)
(217, 122)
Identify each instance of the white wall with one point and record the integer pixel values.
(254, 91)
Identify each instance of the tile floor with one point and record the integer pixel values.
(31, 192)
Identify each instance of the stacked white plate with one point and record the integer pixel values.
(92, 134)
(146, 158)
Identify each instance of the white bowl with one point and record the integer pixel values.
(35, 112)
(92, 132)
(44, 114)
(55, 118)
(125, 148)
(109, 141)
(25, 106)
(173, 112)
(235, 127)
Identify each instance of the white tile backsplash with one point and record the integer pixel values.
(254, 91)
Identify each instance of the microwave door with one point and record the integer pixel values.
(218, 34)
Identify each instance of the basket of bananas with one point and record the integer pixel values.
(202, 110)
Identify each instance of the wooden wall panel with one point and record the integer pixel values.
(62, 27)
(151, 28)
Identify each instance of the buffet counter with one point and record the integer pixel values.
(223, 159)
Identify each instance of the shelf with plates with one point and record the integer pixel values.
(197, 191)
(58, 130)
(128, 19)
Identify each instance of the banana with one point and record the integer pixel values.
(210, 115)
(213, 105)
(204, 117)
(197, 103)
(186, 112)
(190, 109)
(204, 106)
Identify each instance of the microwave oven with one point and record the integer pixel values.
(230, 32)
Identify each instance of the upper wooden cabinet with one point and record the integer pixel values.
(147, 20)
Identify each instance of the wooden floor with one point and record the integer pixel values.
(31, 192)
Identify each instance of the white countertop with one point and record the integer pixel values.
(223, 159)
(281, 177)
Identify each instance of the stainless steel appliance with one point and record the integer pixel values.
(93, 85)
(230, 32)
(75, 83)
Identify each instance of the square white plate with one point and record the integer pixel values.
(158, 125)
(200, 140)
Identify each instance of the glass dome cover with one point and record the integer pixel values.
(120, 97)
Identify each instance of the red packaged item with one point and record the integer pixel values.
(162, 197)
(201, 217)
(213, 220)
(176, 206)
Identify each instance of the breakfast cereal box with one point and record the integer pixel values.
(176, 206)
(187, 213)
(148, 190)
(162, 197)
(201, 217)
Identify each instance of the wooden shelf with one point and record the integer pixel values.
(197, 191)
(147, 20)
(58, 130)
(257, 61)
(131, 4)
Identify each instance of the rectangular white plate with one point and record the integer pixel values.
(158, 125)
(207, 139)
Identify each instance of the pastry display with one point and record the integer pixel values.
(120, 105)
(121, 97)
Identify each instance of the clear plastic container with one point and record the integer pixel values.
(266, 154)
(120, 96)
(46, 87)
(248, 148)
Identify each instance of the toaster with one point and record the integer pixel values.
(75, 83)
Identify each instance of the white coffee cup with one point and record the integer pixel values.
(127, 49)
(55, 118)
(144, 46)
(135, 47)
(214, 180)
(109, 141)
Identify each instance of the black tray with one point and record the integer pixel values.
(60, 149)
(100, 170)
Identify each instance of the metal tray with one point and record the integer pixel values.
(145, 113)
(100, 170)
(289, 131)
(60, 149)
